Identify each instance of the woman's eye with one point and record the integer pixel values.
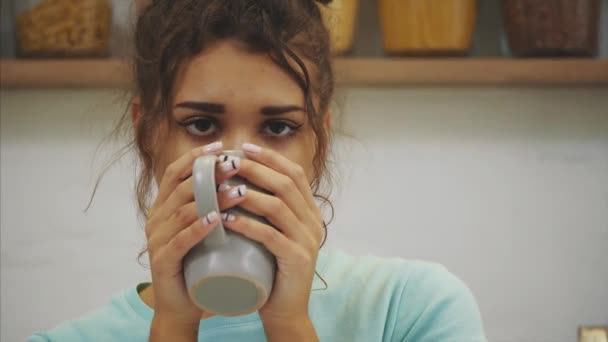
(278, 128)
(200, 127)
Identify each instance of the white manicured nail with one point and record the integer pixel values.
(228, 217)
(230, 164)
(210, 218)
(214, 147)
(237, 192)
(223, 187)
(224, 158)
(252, 148)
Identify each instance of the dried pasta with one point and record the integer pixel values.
(65, 27)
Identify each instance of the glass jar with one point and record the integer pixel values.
(63, 28)
(340, 19)
(552, 27)
(427, 27)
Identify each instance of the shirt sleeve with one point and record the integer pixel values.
(437, 306)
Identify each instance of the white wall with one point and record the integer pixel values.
(506, 187)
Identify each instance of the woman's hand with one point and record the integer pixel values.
(295, 242)
(172, 229)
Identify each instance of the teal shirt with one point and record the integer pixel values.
(367, 299)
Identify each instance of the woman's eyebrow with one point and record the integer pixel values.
(218, 108)
(278, 110)
(207, 107)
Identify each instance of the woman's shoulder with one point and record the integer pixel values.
(394, 270)
(417, 300)
(381, 279)
(114, 321)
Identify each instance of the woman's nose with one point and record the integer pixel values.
(235, 140)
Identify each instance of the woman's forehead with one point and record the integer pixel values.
(226, 72)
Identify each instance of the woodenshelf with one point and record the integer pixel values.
(349, 72)
(33, 73)
(472, 71)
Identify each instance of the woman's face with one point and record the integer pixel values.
(228, 94)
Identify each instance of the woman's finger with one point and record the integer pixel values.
(185, 216)
(184, 192)
(277, 243)
(273, 209)
(280, 163)
(174, 251)
(181, 169)
(278, 184)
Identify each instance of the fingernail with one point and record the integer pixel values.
(230, 164)
(252, 148)
(213, 147)
(224, 158)
(237, 192)
(228, 217)
(223, 187)
(210, 218)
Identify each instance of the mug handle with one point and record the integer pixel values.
(205, 196)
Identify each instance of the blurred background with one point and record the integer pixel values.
(473, 134)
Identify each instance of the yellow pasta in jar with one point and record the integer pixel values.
(65, 28)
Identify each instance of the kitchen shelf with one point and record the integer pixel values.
(31, 73)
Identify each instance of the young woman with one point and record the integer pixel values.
(213, 75)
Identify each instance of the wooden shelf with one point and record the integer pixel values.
(349, 72)
(472, 71)
(31, 73)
